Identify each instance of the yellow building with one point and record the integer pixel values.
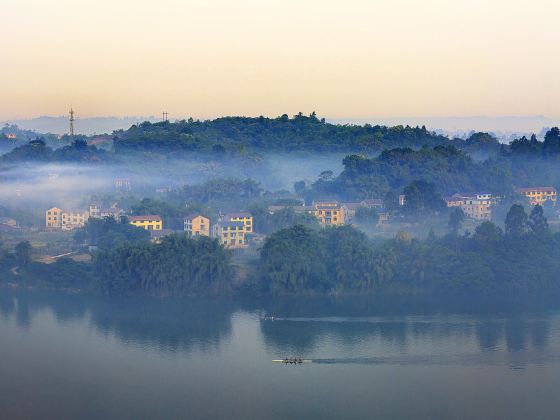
(243, 217)
(539, 195)
(455, 200)
(231, 234)
(148, 222)
(197, 225)
(56, 218)
(329, 213)
(53, 218)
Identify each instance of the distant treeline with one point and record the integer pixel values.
(303, 133)
(38, 151)
(401, 154)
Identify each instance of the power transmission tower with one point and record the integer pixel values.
(71, 122)
(165, 115)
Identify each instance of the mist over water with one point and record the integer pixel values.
(85, 357)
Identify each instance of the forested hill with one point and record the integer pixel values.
(300, 133)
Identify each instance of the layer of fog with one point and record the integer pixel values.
(71, 186)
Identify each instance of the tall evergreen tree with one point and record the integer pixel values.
(537, 221)
(516, 221)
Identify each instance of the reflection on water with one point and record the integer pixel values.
(298, 325)
(69, 354)
(168, 325)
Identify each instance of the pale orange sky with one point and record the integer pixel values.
(343, 59)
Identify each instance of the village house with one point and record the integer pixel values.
(350, 208)
(244, 217)
(148, 222)
(234, 229)
(329, 213)
(539, 195)
(296, 209)
(197, 225)
(96, 211)
(8, 221)
(373, 203)
(7, 224)
(231, 234)
(56, 218)
(475, 206)
(53, 218)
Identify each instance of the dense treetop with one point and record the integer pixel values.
(108, 233)
(38, 151)
(450, 169)
(303, 133)
(523, 259)
(177, 266)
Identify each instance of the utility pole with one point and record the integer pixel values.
(71, 123)
(165, 115)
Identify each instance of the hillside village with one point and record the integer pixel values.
(235, 229)
(424, 188)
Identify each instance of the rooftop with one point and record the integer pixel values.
(142, 218)
(373, 202)
(325, 201)
(321, 206)
(194, 215)
(352, 206)
(538, 189)
(237, 214)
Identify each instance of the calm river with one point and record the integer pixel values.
(69, 357)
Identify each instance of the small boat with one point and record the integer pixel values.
(292, 361)
(266, 318)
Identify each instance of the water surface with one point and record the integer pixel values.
(66, 356)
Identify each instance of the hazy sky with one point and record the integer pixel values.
(343, 59)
